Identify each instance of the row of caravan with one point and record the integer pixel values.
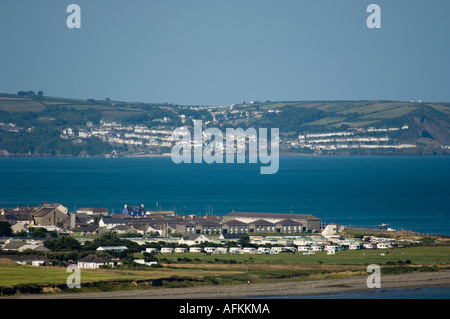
(222, 250)
(306, 250)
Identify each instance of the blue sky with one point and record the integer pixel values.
(211, 52)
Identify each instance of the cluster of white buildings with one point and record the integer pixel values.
(141, 136)
(116, 133)
(9, 127)
(348, 140)
(223, 250)
(307, 245)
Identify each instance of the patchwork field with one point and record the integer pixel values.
(194, 269)
(20, 105)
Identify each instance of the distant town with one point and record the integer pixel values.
(36, 125)
(140, 136)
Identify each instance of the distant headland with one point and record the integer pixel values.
(32, 124)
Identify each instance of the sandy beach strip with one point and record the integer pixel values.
(413, 280)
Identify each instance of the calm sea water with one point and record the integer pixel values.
(405, 192)
(422, 293)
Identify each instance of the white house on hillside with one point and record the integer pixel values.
(112, 248)
(193, 240)
(110, 222)
(331, 229)
(92, 262)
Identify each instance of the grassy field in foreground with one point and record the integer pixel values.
(21, 275)
(426, 255)
(194, 269)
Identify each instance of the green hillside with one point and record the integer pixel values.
(31, 124)
(428, 122)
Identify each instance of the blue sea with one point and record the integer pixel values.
(406, 192)
(421, 293)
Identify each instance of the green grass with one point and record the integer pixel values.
(16, 275)
(391, 113)
(441, 108)
(371, 108)
(21, 105)
(326, 121)
(278, 105)
(355, 123)
(273, 106)
(417, 255)
(201, 269)
(11, 276)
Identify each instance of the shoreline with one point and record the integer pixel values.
(415, 280)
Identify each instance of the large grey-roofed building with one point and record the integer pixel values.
(309, 223)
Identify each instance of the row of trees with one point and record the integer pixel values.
(39, 94)
(48, 142)
(34, 232)
(39, 132)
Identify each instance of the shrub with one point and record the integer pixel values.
(397, 270)
(211, 279)
(427, 269)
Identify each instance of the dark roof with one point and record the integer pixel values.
(271, 215)
(262, 222)
(21, 258)
(14, 245)
(288, 222)
(43, 211)
(187, 223)
(121, 216)
(24, 216)
(80, 218)
(41, 248)
(52, 205)
(82, 215)
(20, 210)
(144, 221)
(10, 218)
(208, 223)
(85, 228)
(234, 222)
(94, 259)
(140, 227)
(110, 220)
(123, 227)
